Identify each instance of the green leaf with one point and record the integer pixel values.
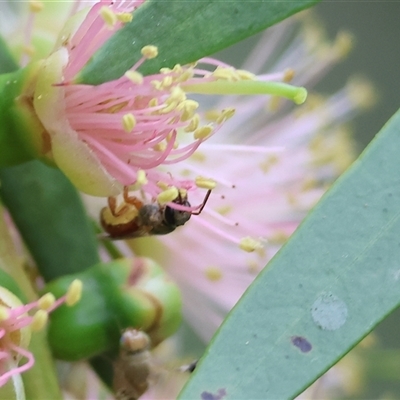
(50, 217)
(327, 288)
(184, 31)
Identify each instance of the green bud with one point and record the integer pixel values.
(116, 295)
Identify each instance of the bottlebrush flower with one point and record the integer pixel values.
(16, 326)
(116, 134)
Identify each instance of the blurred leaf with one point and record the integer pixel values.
(184, 31)
(333, 282)
(50, 217)
(7, 62)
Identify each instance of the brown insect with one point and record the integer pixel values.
(133, 367)
(137, 218)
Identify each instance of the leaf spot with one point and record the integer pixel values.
(329, 312)
(221, 393)
(302, 343)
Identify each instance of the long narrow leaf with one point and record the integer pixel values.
(333, 282)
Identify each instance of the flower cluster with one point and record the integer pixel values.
(16, 326)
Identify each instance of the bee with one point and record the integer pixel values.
(137, 218)
(132, 369)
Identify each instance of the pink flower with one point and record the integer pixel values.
(118, 133)
(16, 326)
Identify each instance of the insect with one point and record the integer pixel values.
(132, 369)
(136, 218)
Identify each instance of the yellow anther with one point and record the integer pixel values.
(245, 75)
(46, 301)
(166, 82)
(250, 244)
(198, 156)
(183, 192)
(185, 76)
(278, 237)
(288, 74)
(149, 52)
(203, 132)
(35, 6)
(165, 70)
(134, 77)
(153, 102)
(177, 94)
(205, 183)
(177, 69)
(160, 146)
(162, 185)
(189, 107)
(124, 17)
(343, 43)
(224, 210)
(168, 107)
(141, 180)
(224, 73)
(156, 84)
(109, 17)
(362, 93)
(128, 122)
(309, 184)
(74, 292)
(212, 115)
(39, 320)
(213, 274)
(193, 124)
(168, 195)
(225, 115)
(4, 313)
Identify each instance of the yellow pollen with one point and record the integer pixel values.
(213, 274)
(223, 73)
(186, 75)
(4, 313)
(39, 320)
(165, 70)
(128, 122)
(35, 6)
(279, 237)
(177, 69)
(362, 93)
(162, 185)
(250, 244)
(343, 43)
(134, 77)
(160, 146)
(149, 52)
(124, 17)
(224, 210)
(245, 75)
(268, 163)
(288, 75)
(225, 115)
(156, 84)
(189, 107)
(212, 115)
(177, 94)
(203, 132)
(46, 301)
(198, 156)
(141, 180)
(193, 124)
(109, 17)
(169, 107)
(153, 102)
(168, 195)
(309, 184)
(74, 292)
(205, 183)
(166, 82)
